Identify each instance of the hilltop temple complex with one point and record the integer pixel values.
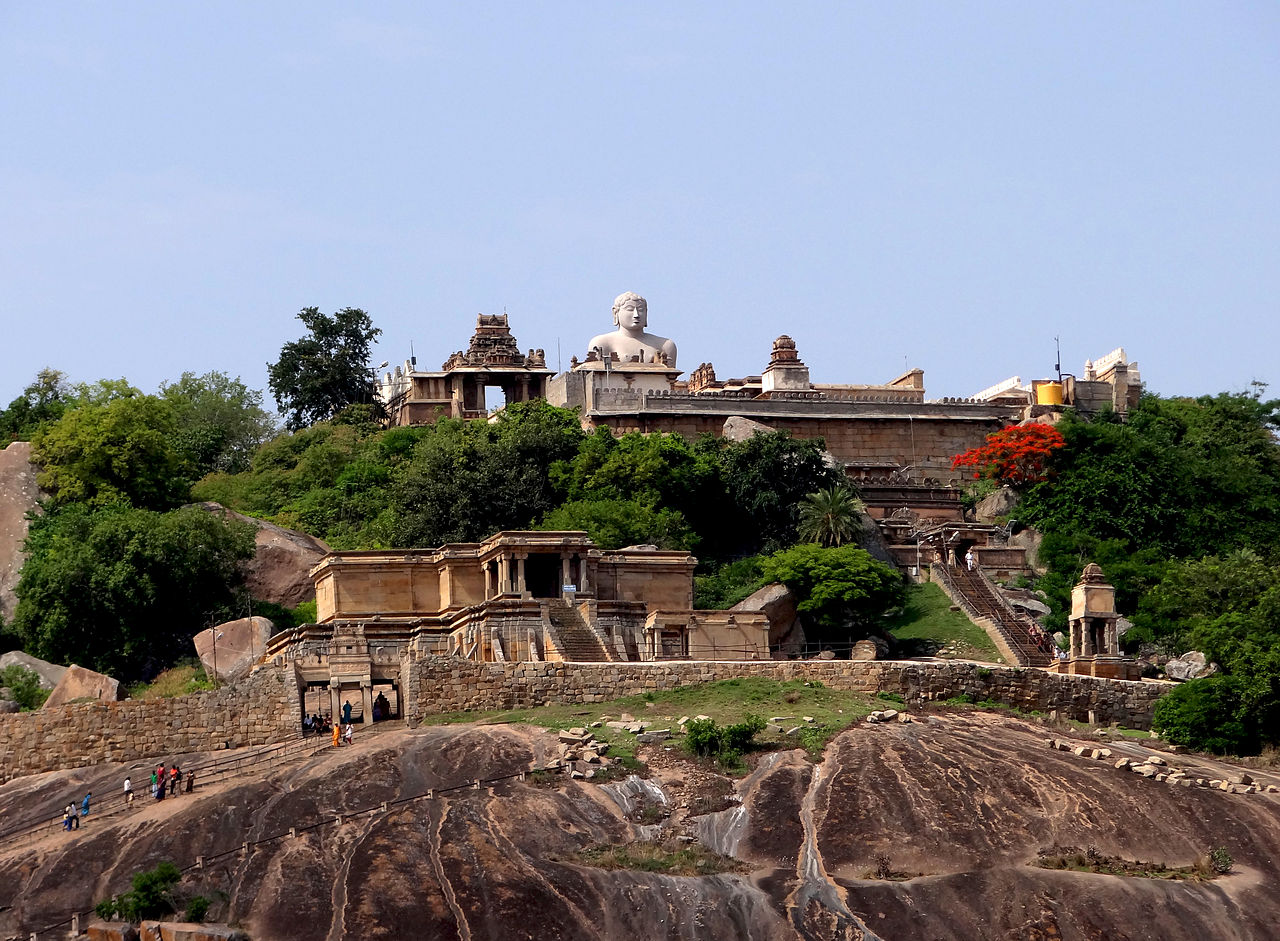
(555, 596)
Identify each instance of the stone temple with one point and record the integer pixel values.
(555, 596)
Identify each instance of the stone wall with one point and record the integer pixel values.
(260, 709)
(442, 685)
(889, 434)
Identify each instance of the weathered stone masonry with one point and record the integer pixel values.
(445, 685)
(263, 708)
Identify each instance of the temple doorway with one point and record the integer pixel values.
(542, 575)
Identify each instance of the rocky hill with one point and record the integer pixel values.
(903, 831)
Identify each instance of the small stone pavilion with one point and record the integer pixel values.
(493, 358)
(1095, 642)
(517, 596)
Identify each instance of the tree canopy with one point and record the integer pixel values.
(122, 590)
(323, 372)
(219, 421)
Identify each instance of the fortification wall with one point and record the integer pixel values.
(885, 438)
(443, 685)
(265, 707)
(262, 708)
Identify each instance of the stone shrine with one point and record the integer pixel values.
(1095, 642)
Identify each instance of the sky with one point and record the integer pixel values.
(946, 185)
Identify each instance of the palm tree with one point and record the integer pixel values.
(831, 517)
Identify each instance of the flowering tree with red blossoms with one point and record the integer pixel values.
(1016, 455)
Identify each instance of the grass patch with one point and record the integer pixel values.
(728, 702)
(1210, 865)
(927, 627)
(669, 858)
(181, 680)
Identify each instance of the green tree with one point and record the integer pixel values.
(831, 517)
(220, 422)
(320, 374)
(122, 590)
(42, 402)
(843, 589)
(613, 524)
(468, 480)
(120, 450)
(1209, 714)
(765, 479)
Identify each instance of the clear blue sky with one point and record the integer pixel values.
(943, 185)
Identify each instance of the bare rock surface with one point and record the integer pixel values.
(278, 570)
(778, 604)
(230, 649)
(82, 683)
(958, 804)
(738, 428)
(999, 503)
(18, 496)
(50, 673)
(1191, 665)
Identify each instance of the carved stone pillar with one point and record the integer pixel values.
(520, 586)
(366, 697)
(335, 700)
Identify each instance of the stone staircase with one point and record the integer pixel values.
(984, 605)
(573, 636)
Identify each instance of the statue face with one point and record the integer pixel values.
(632, 314)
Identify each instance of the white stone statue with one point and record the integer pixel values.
(631, 316)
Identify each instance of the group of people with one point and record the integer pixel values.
(316, 723)
(164, 781)
(71, 815)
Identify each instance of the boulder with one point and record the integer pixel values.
(19, 495)
(81, 683)
(1189, 666)
(50, 673)
(8, 705)
(1030, 540)
(278, 571)
(864, 650)
(998, 504)
(229, 650)
(737, 428)
(778, 604)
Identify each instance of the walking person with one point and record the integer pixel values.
(337, 735)
(173, 780)
(73, 819)
(347, 733)
(84, 805)
(153, 785)
(128, 792)
(968, 560)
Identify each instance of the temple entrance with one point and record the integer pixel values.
(386, 701)
(542, 575)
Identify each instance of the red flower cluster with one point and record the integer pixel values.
(1014, 455)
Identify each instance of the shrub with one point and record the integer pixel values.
(702, 737)
(1208, 715)
(149, 898)
(197, 908)
(25, 685)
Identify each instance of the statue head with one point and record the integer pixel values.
(630, 310)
